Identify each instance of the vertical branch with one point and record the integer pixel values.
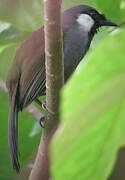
(54, 61)
(54, 82)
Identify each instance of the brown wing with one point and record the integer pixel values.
(30, 62)
(34, 88)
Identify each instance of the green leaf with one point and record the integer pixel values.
(112, 9)
(9, 34)
(92, 113)
(26, 15)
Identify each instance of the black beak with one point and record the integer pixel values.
(107, 23)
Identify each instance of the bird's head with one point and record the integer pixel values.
(87, 17)
(90, 18)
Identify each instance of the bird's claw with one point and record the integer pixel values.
(42, 121)
(44, 105)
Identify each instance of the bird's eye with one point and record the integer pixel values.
(93, 14)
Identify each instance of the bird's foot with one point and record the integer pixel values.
(44, 105)
(42, 121)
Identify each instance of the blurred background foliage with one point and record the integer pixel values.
(92, 107)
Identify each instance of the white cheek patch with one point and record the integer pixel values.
(85, 21)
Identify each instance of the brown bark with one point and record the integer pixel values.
(54, 61)
(54, 82)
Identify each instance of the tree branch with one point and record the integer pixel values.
(54, 61)
(54, 82)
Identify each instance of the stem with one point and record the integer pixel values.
(54, 82)
(54, 61)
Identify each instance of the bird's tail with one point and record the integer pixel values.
(13, 130)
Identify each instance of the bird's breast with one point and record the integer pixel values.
(76, 44)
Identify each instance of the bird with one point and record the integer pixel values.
(26, 79)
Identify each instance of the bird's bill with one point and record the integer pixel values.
(107, 23)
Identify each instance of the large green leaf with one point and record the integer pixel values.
(92, 113)
(113, 9)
